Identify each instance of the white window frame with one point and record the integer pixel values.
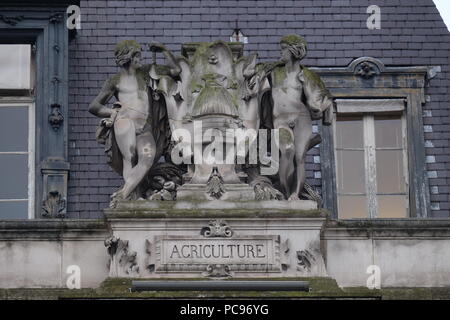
(25, 102)
(367, 109)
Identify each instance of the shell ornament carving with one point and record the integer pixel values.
(54, 205)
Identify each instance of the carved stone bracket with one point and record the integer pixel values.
(55, 118)
(218, 271)
(54, 205)
(122, 260)
(217, 228)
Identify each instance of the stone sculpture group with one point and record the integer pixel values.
(158, 106)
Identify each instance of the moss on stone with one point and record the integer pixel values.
(320, 288)
(211, 213)
(293, 40)
(286, 137)
(416, 293)
(127, 43)
(278, 75)
(316, 80)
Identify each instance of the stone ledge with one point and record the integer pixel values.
(216, 208)
(324, 288)
(51, 229)
(320, 288)
(388, 228)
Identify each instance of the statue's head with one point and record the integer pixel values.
(128, 54)
(293, 46)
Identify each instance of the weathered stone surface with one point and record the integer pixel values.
(299, 207)
(199, 110)
(37, 253)
(349, 247)
(409, 253)
(233, 192)
(221, 239)
(191, 254)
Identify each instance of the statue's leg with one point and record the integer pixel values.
(303, 135)
(124, 131)
(146, 149)
(202, 173)
(287, 154)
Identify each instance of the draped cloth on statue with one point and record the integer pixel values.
(158, 123)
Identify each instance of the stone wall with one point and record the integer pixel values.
(415, 253)
(410, 253)
(37, 254)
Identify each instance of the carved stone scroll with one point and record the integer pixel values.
(122, 260)
(217, 228)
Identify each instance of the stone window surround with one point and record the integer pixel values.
(45, 29)
(368, 77)
(367, 109)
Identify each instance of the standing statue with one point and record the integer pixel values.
(299, 96)
(131, 144)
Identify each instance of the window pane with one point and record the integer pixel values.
(13, 129)
(388, 131)
(349, 132)
(15, 66)
(392, 206)
(351, 173)
(390, 177)
(14, 210)
(13, 176)
(352, 207)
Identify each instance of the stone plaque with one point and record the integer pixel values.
(238, 253)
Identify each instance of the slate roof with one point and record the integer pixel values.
(412, 33)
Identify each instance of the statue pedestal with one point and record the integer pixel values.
(192, 239)
(233, 192)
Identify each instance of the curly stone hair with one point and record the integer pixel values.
(125, 51)
(297, 45)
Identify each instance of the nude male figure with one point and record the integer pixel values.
(131, 121)
(299, 97)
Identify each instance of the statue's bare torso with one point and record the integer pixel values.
(135, 103)
(287, 98)
(293, 119)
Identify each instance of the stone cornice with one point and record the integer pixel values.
(53, 229)
(433, 229)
